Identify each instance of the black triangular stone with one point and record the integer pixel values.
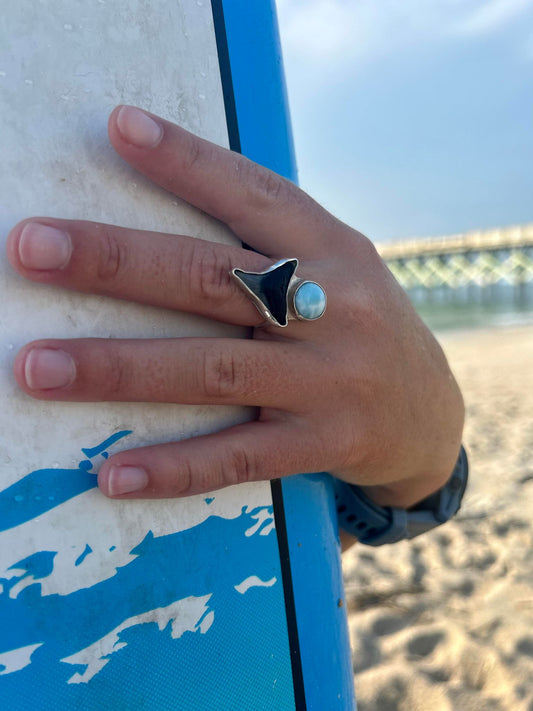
(271, 288)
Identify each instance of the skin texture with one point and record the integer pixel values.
(365, 392)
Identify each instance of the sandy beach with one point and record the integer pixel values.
(445, 622)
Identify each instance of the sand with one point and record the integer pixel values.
(446, 621)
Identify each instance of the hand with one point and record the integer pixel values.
(365, 392)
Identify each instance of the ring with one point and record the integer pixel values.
(279, 295)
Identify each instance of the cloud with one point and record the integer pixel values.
(340, 31)
(492, 17)
(326, 29)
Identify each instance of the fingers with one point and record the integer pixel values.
(186, 370)
(179, 272)
(251, 452)
(266, 211)
(169, 271)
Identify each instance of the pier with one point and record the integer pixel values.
(481, 258)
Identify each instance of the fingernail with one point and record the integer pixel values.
(125, 480)
(43, 247)
(138, 128)
(46, 368)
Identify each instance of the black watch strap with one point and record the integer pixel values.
(375, 525)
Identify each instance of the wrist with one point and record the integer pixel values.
(375, 524)
(407, 492)
(430, 476)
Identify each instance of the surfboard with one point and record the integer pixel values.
(231, 600)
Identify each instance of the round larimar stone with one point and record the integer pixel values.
(309, 301)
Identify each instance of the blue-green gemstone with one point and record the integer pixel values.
(310, 300)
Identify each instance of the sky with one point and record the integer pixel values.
(413, 118)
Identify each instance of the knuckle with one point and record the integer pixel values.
(219, 374)
(265, 188)
(364, 310)
(365, 247)
(115, 376)
(184, 478)
(241, 467)
(111, 257)
(193, 153)
(358, 247)
(207, 273)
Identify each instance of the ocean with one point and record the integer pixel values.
(474, 307)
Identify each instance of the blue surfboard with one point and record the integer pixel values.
(233, 601)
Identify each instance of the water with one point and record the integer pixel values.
(475, 307)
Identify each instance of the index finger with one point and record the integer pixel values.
(266, 211)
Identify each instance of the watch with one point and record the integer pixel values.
(375, 525)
